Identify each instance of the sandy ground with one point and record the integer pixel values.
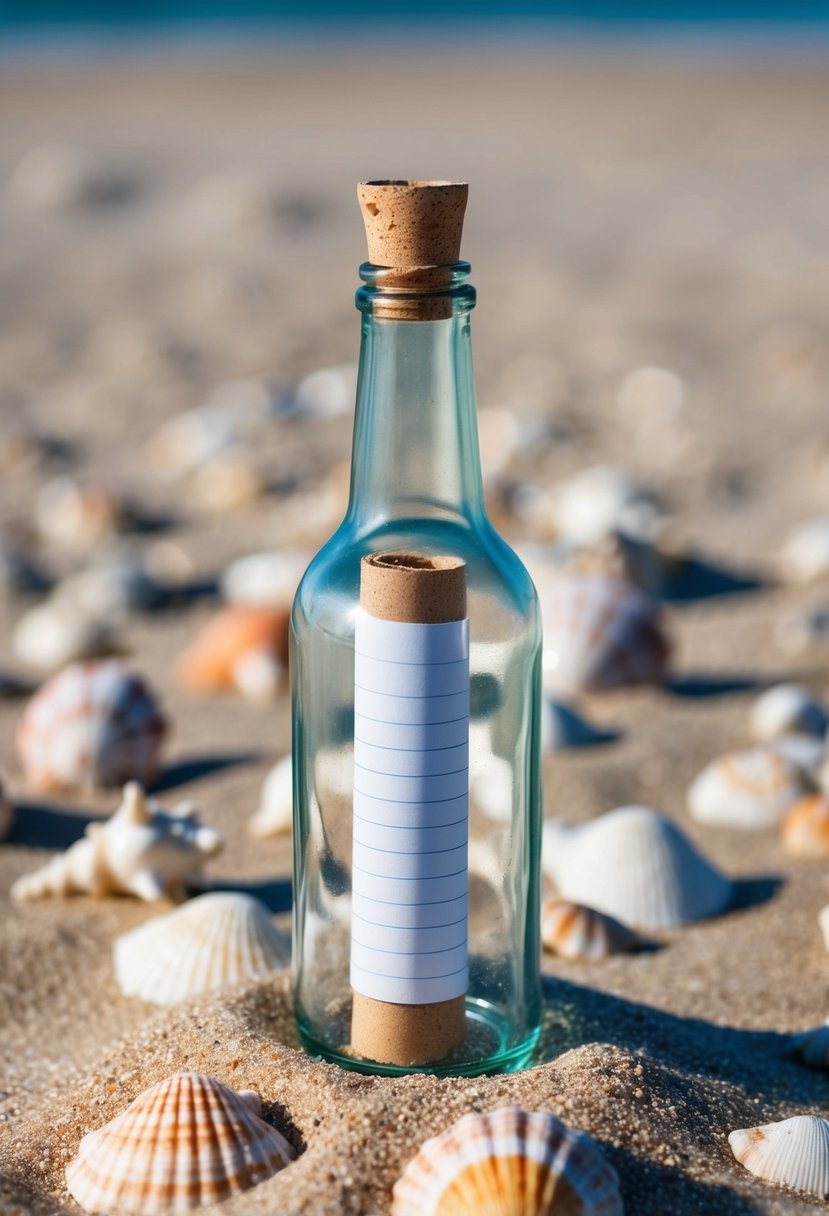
(622, 213)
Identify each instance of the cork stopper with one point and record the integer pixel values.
(413, 224)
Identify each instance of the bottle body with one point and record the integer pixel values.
(416, 488)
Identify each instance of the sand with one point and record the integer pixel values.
(624, 212)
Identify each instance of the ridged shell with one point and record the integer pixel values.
(222, 655)
(600, 632)
(805, 830)
(276, 802)
(794, 1152)
(186, 1142)
(211, 941)
(750, 789)
(812, 1046)
(577, 932)
(787, 709)
(93, 724)
(636, 865)
(508, 1163)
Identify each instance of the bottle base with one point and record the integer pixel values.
(489, 1034)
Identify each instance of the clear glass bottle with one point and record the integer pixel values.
(416, 486)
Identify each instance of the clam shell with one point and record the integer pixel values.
(93, 724)
(750, 789)
(276, 804)
(577, 932)
(216, 658)
(636, 865)
(600, 632)
(185, 1142)
(805, 830)
(508, 1163)
(787, 709)
(794, 1152)
(211, 941)
(812, 1046)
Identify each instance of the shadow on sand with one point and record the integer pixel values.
(275, 893)
(41, 826)
(191, 768)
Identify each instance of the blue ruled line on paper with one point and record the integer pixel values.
(414, 776)
(385, 975)
(399, 696)
(423, 751)
(409, 827)
(379, 924)
(418, 879)
(385, 721)
(375, 658)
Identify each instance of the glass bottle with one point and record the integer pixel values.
(416, 486)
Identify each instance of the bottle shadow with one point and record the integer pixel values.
(45, 826)
(191, 768)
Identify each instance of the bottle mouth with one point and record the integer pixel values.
(416, 292)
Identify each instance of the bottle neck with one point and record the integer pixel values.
(415, 451)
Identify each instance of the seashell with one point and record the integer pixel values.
(69, 513)
(226, 481)
(508, 1162)
(805, 830)
(58, 177)
(812, 1046)
(225, 653)
(578, 932)
(6, 814)
(183, 1143)
(794, 1152)
(805, 752)
(563, 727)
(93, 724)
(188, 439)
(264, 579)
(750, 789)
(604, 499)
(276, 802)
(805, 553)
(328, 392)
(211, 941)
(112, 588)
(600, 632)
(636, 865)
(140, 850)
(52, 634)
(787, 709)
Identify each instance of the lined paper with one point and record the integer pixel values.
(409, 924)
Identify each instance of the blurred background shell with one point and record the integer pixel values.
(243, 648)
(577, 932)
(750, 789)
(274, 814)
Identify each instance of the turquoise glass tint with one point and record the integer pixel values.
(416, 486)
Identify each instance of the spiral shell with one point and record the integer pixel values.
(93, 724)
(186, 1142)
(794, 1152)
(600, 632)
(750, 789)
(214, 940)
(577, 932)
(508, 1163)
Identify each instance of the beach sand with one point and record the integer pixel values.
(625, 210)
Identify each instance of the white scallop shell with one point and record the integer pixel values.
(750, 789)
(577, 932)
(805, 553)
(508, 1162)
(276, 802)
(263, 579)
(794, 1152)
(55, 633)
(600, 632)
(604, 499)
(214, 940)
(184, 1143)
(636, 865)
(95, 723)
(140, 850)
(812, 1046)
(787, 709)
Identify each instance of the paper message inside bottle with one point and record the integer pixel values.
(411, 803)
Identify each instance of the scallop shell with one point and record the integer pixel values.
(245, 648)
(183, 1143)
(794, 1152)
(276, 804)
(812, 1046)
(264, 579)
(805, 830)
(749, 789)
(636, 865)
(508, 1163)
(805, 553)
(55, 633)
(93, 724)
(600, 632)
(211, 941)
(140, 850)
(787, 709)
(577, 932)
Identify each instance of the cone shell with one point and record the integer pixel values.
(93, 724)
(635, 865)
(214, 940)
(508, 1163)
(750, 789)
(600, 632)
(794, 1152)
(215, 655)
(577, 932)
(185, 1142)
(805, 830)
(812, 1046)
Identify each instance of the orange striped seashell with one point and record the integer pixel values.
(805, 830)
(577, 932)
(236, 650)
(186, 1142)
